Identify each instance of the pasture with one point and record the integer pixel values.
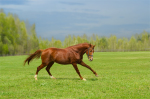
(121, 75)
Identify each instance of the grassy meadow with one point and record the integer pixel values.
(122, 75)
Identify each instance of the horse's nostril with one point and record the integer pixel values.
(90, 59)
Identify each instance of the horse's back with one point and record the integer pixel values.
(61, 56)
(55, 54)
(52, 51)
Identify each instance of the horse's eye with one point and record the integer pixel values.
(90, 51)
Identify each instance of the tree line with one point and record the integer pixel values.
(19, 37)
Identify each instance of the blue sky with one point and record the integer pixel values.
(59, 18)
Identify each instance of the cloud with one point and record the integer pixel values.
(103, 17)
(72, 3)
(14, 2)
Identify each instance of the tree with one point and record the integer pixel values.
(58, 44)
(103, 44)
(5, 50)
(120, 45)
(34, 42)
(43, 44)
(19, 37)
(97, 43)
(112, 43)
(145, 40)
(1, 48)
(52, 42)
(132, 43)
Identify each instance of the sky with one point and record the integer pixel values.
(60, 18)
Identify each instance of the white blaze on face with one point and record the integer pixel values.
(91, 56)
(89, 53)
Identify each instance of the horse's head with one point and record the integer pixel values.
(90, 51)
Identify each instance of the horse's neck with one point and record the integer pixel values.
(82, 49)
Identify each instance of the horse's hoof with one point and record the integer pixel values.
(84, 79)
(35, 78)
(52, 77)
(96, 75)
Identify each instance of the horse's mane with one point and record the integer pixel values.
(81, 44)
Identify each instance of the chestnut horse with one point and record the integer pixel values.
(70, 55)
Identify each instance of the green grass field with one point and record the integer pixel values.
(122, 75)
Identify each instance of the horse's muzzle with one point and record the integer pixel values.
(91, 59)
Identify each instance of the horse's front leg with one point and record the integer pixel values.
(77, 70)
(85, 65)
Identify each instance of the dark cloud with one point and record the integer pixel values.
(16, 2)
(63, 17)
(72, 3)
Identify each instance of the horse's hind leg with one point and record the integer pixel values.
(38, 69)
(48, 69)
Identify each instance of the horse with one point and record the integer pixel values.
(70, 55)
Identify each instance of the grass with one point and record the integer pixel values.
(123, 75)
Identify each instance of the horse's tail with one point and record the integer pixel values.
(37, 55)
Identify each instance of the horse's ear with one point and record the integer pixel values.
(94, 46)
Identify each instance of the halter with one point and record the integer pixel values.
(88, 52)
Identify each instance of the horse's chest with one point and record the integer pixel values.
(75, 60)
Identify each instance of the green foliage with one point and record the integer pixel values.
(18, 37)
(14, 38)
(103, 43)
(5, 49)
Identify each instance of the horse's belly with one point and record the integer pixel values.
(64, 63)
(62, 60)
